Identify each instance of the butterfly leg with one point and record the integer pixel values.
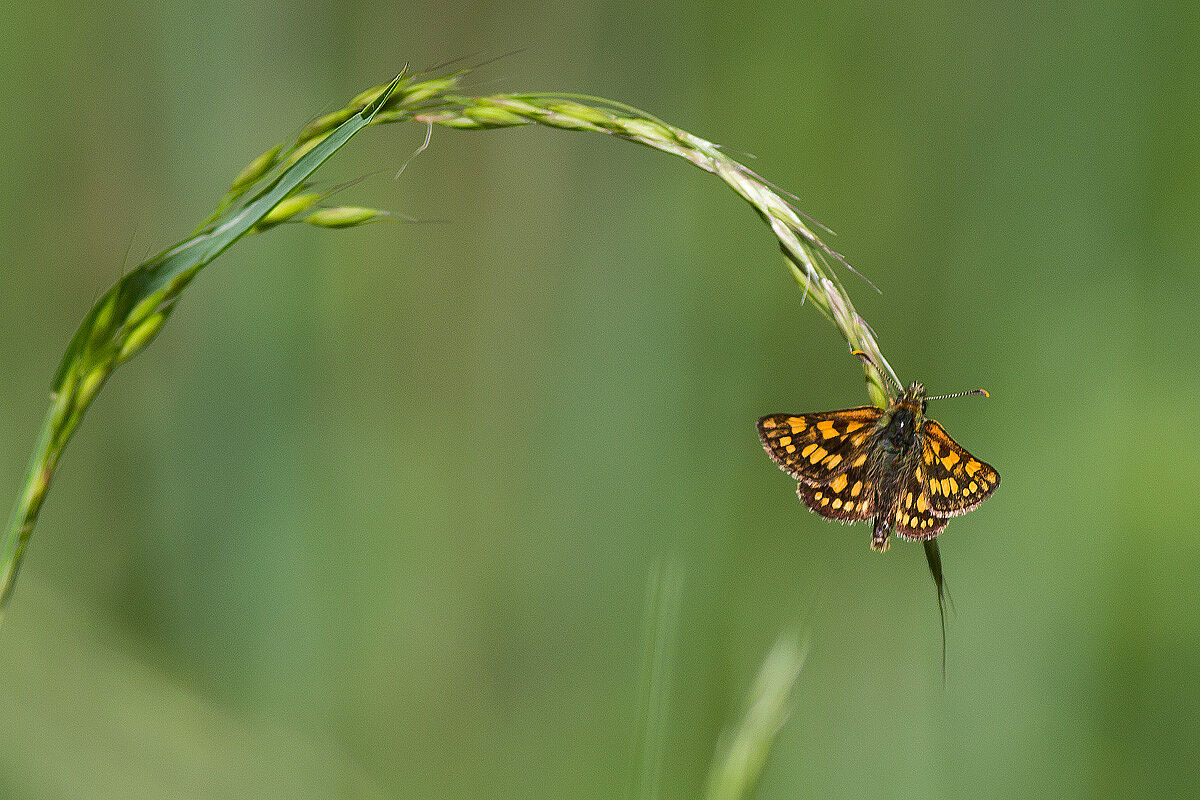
(879, 538)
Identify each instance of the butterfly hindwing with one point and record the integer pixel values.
(914, 517)
(815, 448)
(954, 481)
(848, 497)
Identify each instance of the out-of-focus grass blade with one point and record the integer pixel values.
(742, 751)
(662, 620)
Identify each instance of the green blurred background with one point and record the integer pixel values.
(376, 515)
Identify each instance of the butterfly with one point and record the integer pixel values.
(895, 465)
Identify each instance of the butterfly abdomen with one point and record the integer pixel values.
(879, 537)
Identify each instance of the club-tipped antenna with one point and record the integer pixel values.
(960, 394)
(887, 373)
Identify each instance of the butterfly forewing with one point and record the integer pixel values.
(954, 481)
(816, 448)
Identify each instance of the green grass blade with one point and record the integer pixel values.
(743, 750)
(130, 315)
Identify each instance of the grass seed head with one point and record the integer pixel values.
(256, 169)
(344, 216)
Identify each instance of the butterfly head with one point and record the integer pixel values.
(914, 395)
(905, 414)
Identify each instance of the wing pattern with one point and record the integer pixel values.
(847, 498)
(914, 517)
(816, 448)
(954, 481)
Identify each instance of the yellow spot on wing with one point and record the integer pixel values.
(946, 486)
(784, 441)
(973, 467)
(853, 426)
(973, 487)
(806, 452)
(950, 460)
(908, 500)
(818, 454)
(833, 460)
(837, 503)
(856, 488)
(858, 462)
(849, 505)
(953, 485)
(838, 483)
(921, 504)
(797, 424)
(791, 448)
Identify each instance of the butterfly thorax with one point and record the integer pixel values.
(898, 430)
(895, 453)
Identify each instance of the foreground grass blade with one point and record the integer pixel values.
(742, 751)
(662, 623)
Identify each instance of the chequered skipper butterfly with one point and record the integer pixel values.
(895, 465)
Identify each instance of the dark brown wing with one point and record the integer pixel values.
(815, 448)
(914, 518)
(849, 497)
(954, 480)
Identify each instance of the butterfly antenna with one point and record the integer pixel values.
(983, 392)
(886, 373)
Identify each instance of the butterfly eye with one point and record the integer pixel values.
(924, 405)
